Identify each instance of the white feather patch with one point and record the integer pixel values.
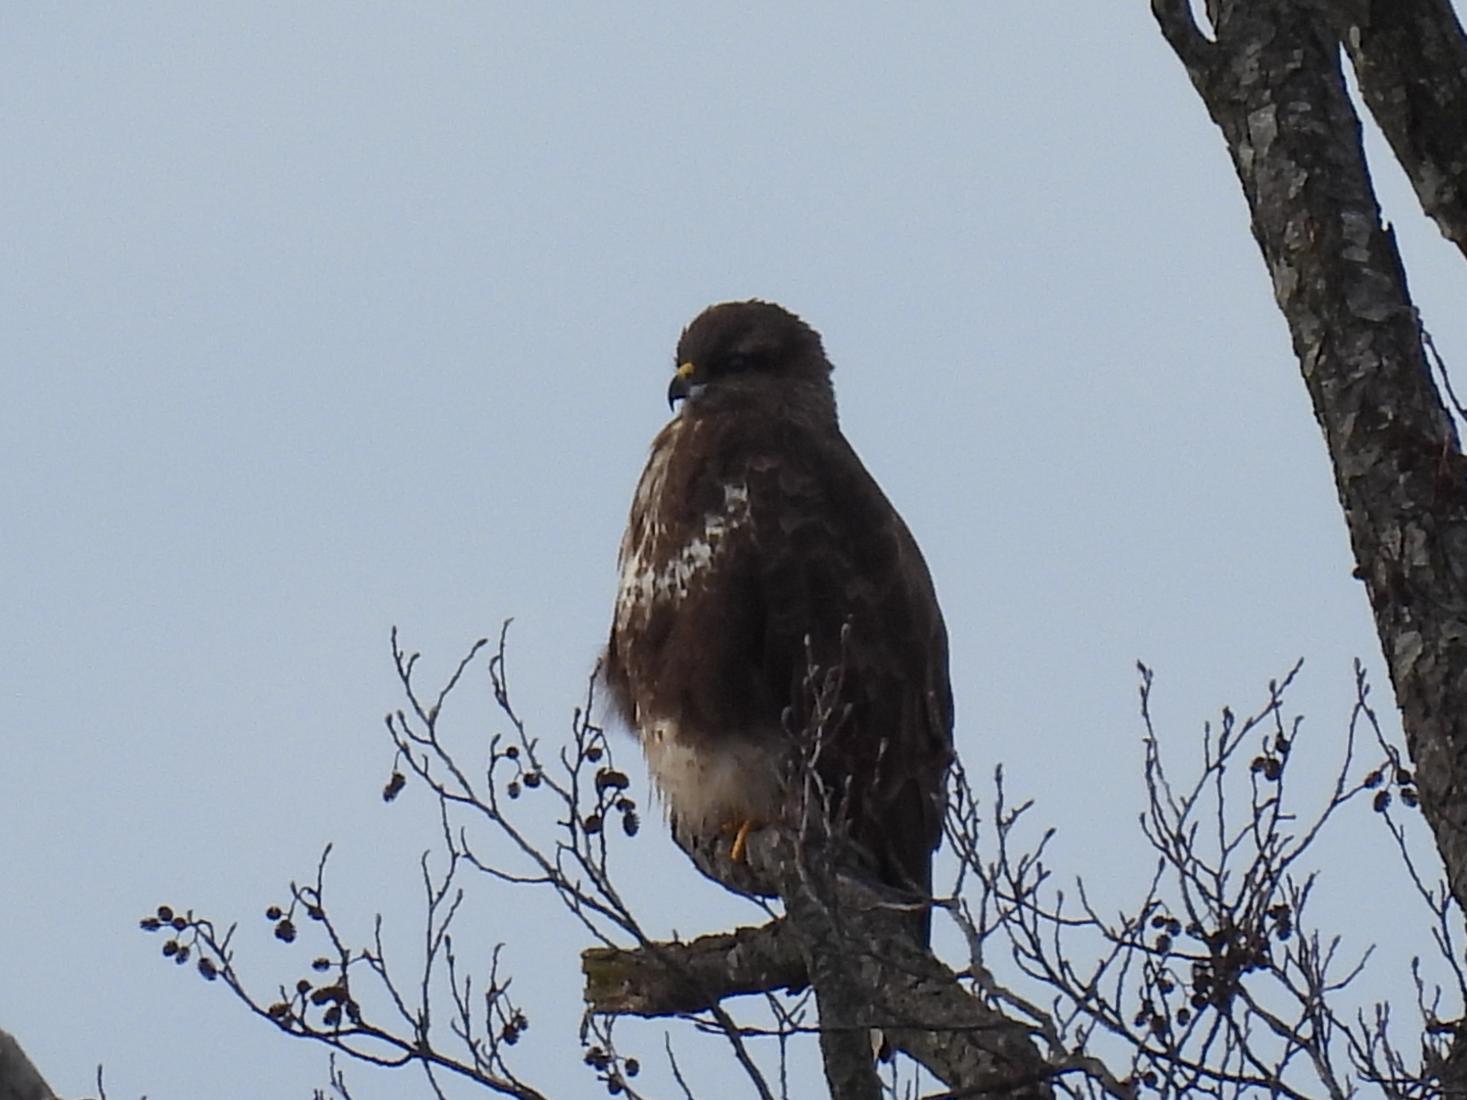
(645, 581)
(717, 783)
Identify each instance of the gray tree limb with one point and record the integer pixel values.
(19, 1078)
(870, 973)
(684, 978)
(1410, 57)
(1271, 80)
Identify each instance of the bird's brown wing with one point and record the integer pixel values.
(828, 562)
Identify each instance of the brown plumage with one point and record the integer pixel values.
(754, 529)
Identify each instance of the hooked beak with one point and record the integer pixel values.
(682, 385)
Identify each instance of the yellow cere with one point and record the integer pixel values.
(687, 370)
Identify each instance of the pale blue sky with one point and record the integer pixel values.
(323, 318)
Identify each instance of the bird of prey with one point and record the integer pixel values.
(758, 548)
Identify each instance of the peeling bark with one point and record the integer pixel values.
(1410, 57)
(683, 978)
(1272, 82)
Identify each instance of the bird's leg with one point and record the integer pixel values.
(738, 851)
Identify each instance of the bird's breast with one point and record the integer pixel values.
(669, 549)
(711, 782)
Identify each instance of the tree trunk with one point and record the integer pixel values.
(1272, 82)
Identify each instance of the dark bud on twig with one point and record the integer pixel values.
(592, 824)
(1268, 766)
(273, 913)
(1382, 800)
(609, 779)
(597, 1058)
(285, 931)
(336, 994)
(208, 969)
(513, 1029)
(165, 914)
(532, 780)
(322, 963)
(394, 786)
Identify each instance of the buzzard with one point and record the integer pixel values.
(758, 548)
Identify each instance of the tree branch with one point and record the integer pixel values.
(673, 979)
(19, 1078)
(1411, 60)
(837, 918)
(1279, 97)
(1180, 30)
(1295, 142)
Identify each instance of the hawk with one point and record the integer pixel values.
(758, 548)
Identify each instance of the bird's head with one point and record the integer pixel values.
(748, 346)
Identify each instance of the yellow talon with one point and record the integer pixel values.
(737, 852)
